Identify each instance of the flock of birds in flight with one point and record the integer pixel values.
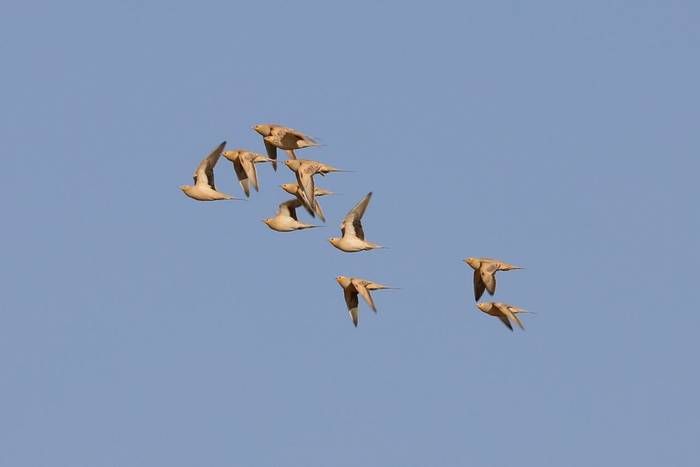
(305, 194)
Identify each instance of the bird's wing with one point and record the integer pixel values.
(249, 168)
(362, 289)
(507, 266)
(488, 276)
(479, 286)
(204, 173)
(271, 153)
(505, 321)
(288, 208)
(241, 175)
(318, 210)
(285, 132)
(305, 179)
(353, 221)
(288, 139)
(352, 302)
(302, 203)
(509, 315)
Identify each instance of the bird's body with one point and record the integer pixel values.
(506, 313)
(288, 139)
(244, 165)
(352, 287)
(485, 270)
(352, 244)
(293, 189)
(353, 239)
(305, 171)
(286, 218)
(204, 188)
(204, 193)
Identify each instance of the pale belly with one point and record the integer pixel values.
(352, 245)
(205, 194)
(285, 224)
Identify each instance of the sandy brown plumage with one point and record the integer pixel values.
(353, 234)
(204, 188)
(485, 270)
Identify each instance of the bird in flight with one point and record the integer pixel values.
(485, 270)
(204, 188)
(506, 313)
(288, 139)
(286, 218)
(352, 287)
(353, 239)
(293, 189)
(305, 171)
(244, 166)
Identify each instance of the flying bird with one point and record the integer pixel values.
(352, 287)
(353, 238)
(286, 218)
(244, 166)
(506, 313)
(204, 188)
(289, 139)
(305, 171)
(293, 189)
(485, 270)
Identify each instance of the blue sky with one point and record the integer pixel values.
(140, 328)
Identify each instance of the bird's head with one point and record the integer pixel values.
(342, 281)
(230, 155)
(263, 130)
(184, 188)
(473, 262)
(289, 188)
(483, 306)
(293, 164)
(268, 220)
(334, 241)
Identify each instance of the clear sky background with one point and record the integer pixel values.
(141, 328)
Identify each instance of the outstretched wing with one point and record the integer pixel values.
(505, 321)
(352, 224)
(488, 276)
(290, 136)
(479, 286)
(288, 208)
(352, 303)
(362, 289)
(204, 173)
(305, 180)
(249, 168)
(509, 315)
(271, 153)
(241, 175)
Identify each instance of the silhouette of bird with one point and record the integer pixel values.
(506, 313)
(244, 166)
(204, 188)
(353, 239)
(286, 218)
(305, 171)
(288, 139)
(352, 286)
(485, 270)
